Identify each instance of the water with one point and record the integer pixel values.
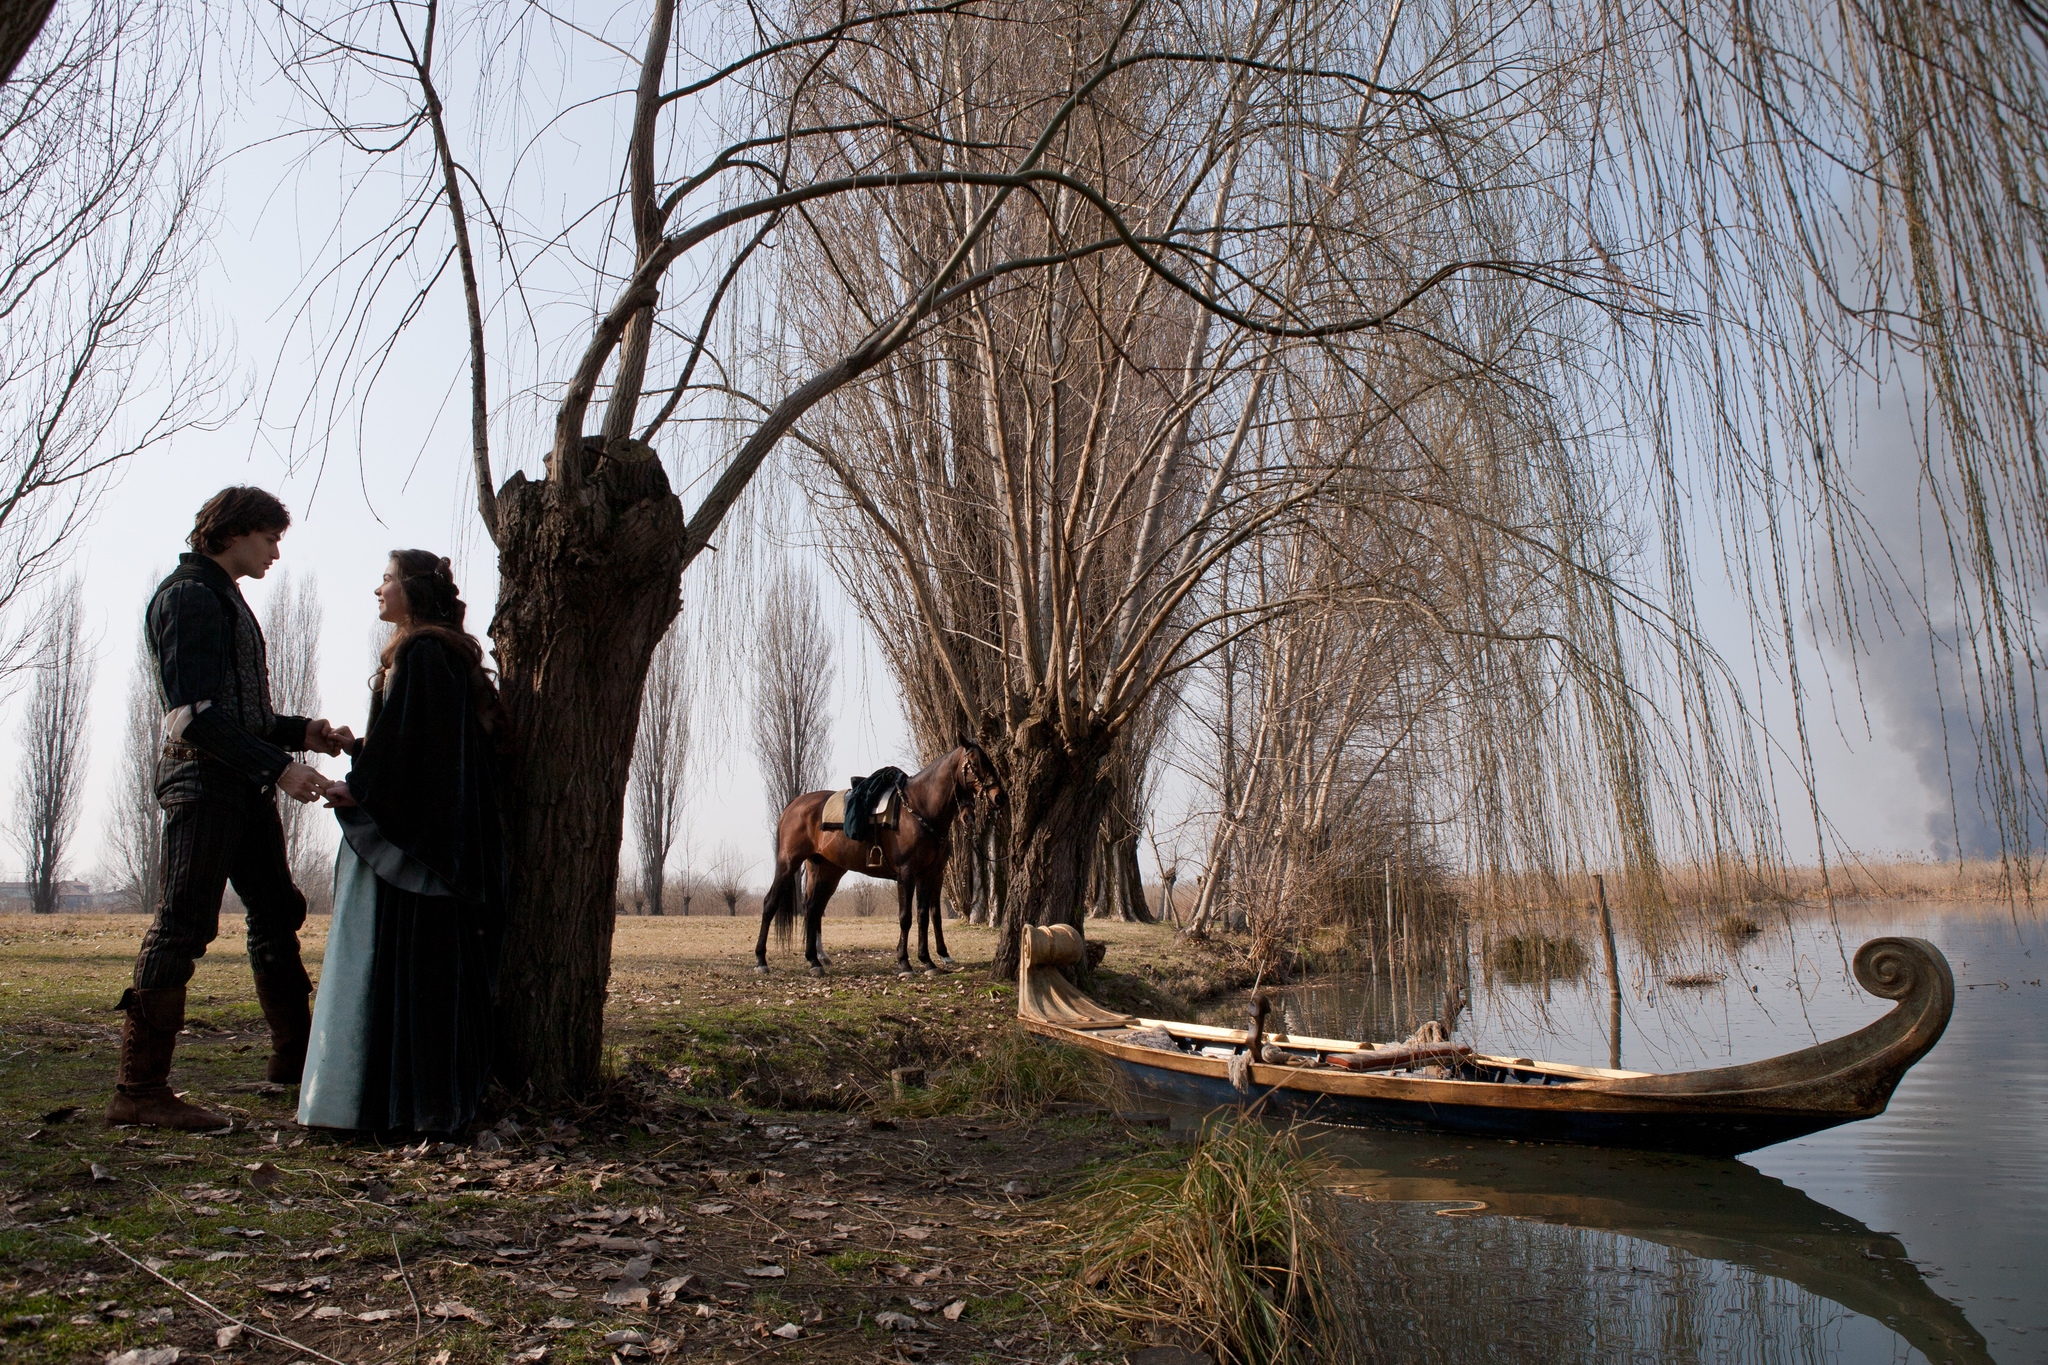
(1921, 1234)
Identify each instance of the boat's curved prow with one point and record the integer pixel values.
(1852, 1076)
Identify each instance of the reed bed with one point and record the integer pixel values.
(1710, 887)
(1228, 1247)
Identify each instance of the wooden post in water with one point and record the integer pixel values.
(1613, 975)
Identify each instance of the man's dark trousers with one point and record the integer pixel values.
(208, 843)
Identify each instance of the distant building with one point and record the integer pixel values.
(18, 896)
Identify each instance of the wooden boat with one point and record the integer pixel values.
(1720, 1112)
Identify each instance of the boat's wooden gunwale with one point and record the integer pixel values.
(1302, 1043)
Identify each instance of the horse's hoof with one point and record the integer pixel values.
(824, 961)
(760, 969)
(904, 975)
(947, 964)
(817, 969)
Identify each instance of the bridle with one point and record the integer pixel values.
(970, 777)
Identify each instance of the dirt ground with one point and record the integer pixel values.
(750, 1188)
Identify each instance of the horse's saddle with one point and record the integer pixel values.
(872, 803)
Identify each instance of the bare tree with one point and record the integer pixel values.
(292, 625)
(793, 672)
(135, 825)
(102, 162)
(728, 878)
(661, 752)
(53, 745)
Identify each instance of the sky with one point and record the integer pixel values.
(398, 477)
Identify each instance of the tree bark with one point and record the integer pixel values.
(1058, 799)
(589, 580)
(21, 23)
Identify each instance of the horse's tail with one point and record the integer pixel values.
(781, 904)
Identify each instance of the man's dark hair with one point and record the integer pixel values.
(235, 512)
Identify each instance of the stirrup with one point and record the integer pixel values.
(874, 855)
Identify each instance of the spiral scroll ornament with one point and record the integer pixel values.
(1897, 968)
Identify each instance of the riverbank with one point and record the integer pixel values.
(752, 1186)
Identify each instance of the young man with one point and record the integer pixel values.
(224, 755)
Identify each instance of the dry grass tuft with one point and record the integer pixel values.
(1696, 980)
(1228, 1247)
(1737, 928)
(1535, 956)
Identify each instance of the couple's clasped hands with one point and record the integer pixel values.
(304, 782)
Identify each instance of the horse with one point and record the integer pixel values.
(913, 855)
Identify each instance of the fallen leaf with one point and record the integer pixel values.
(440, 1357)
(955, 1309)
(377, 1315)
(558, 1324)
(810, 1215)
(626, 1336)
(228, 1337)
(898, 1322)
(488, 1141)
(637, 1269)
(1017, 1188)
(532, 1355)
(670, 1288)
(100, 1174)
(147, 1355)
(455, 1308)
(766, 1272)
(263, 1175)
(714, 1208)
(921, 1305)
(626, 1296)
(329, 1311)
(914, 1234)
(789, 1331)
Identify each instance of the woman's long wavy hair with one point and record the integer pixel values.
(434, 606)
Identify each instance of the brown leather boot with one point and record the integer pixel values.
(143, 1093)
(285, 997)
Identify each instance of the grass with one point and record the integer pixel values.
(1015, 1076)
(1226, 1247)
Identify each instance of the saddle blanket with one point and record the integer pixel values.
(886, 806)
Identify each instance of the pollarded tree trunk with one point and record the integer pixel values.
(589, 580)
(1057, 803)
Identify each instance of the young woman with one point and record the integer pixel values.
(401, 1025)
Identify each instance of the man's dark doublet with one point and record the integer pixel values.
(208, 649)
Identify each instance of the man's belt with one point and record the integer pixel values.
(178, 751)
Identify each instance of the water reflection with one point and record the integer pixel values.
(1733, 1230)
(1920, 1233)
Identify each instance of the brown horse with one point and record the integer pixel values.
(913, 855)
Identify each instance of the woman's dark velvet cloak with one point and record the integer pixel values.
(425, 782)
(426, 821)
